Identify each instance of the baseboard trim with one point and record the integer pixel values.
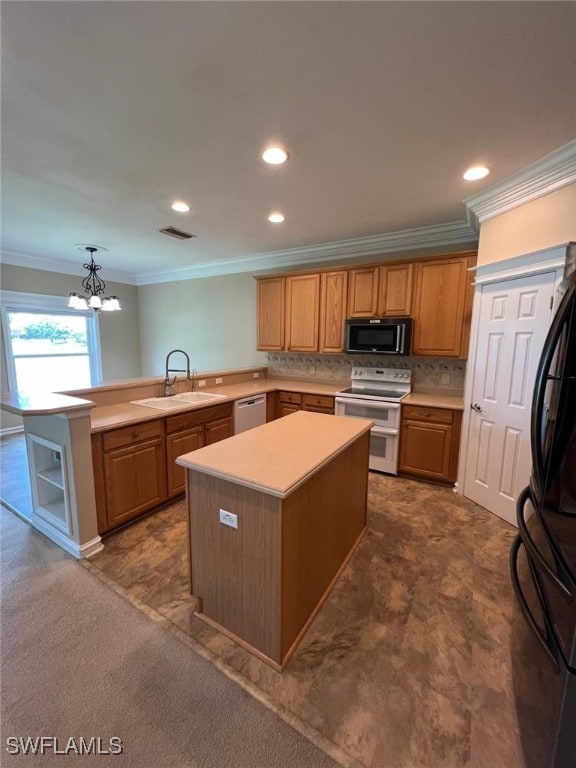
(79, 551)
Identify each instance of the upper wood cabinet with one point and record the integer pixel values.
(395, 290)
(333, 298)
(302, 312)
(442, 306)
(380, 291)
(363, 292)
(271, 313)
(306, 312)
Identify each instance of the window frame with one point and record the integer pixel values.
(41, 302)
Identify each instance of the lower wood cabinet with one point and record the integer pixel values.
(429, 443)
(130, 472)
(271, 406)
(289, 402)
(135, 467)
(177, 445)
(219, 429)
(189, 431)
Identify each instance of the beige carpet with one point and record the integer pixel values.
(80, 661)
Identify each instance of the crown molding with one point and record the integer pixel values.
(536, 262)
(550, 173)
(453, 233)
(437, 235)
(47, 264)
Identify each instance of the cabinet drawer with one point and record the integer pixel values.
(291, 397)
(146, 430)
(318, 401)
(200, 416)
(423, 413)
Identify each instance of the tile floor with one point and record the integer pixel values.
(407, 665)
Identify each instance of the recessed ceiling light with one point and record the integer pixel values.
(476, 172)
(180, 206)
(275, 156)
(276, 217)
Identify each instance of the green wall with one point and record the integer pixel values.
(212, 318)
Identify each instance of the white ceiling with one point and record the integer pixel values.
(111, 110)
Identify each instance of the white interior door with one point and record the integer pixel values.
(514, 318)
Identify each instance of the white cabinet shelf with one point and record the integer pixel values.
(55, 509)
(48, 475)
(53, 476)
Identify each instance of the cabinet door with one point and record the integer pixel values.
(442, 301)
(302, 312)
(363, 292)
(430, 442)
(177, 445)
(425, 449)
(395, 290)
(218, 430)
(318, 403)
(333, 298)
(135, 480)
(271, 313)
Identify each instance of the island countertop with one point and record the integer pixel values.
(278, 456)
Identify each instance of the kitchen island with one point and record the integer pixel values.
(274, 515)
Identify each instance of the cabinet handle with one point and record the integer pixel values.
(135, 434)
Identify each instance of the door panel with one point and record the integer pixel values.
(513, 322)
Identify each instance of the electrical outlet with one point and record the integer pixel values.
(445, 378)
(228, 518)
(256, 375)
(202, 383)
(219, 380)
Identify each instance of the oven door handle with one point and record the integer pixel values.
(375, 403)
(384, 431)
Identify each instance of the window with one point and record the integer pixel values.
(49, 348)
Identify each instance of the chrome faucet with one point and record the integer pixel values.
(169, 384)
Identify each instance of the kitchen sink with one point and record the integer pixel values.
(185, 400)
(198, 397)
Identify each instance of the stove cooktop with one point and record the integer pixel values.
(373, 394)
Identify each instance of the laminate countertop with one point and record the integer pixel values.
(121, 414)
(41, 404)
(452, 400)
(279, 456)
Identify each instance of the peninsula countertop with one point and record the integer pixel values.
(125, 413)
(278, 456)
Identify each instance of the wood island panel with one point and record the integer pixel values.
(322, 521)
(235, 572)
(263, 582)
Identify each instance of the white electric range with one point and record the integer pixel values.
(376, 394)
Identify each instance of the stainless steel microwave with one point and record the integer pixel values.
(378, 335)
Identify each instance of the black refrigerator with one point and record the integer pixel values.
(543, 557)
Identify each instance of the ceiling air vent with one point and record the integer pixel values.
(177, 233)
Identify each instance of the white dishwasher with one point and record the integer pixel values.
(249, 412)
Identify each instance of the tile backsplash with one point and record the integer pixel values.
(428, 373)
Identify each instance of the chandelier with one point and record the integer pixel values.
(94, 286)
